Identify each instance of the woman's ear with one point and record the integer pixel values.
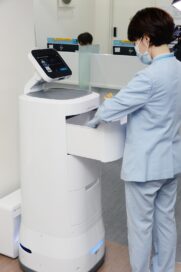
(146, 40)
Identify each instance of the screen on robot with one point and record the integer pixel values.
(50, 64)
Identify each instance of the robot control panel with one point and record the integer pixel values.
(49, 64)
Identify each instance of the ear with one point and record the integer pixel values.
(146, 40)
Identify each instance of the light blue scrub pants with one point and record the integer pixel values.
(151, 225)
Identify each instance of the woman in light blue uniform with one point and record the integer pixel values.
(152, 155)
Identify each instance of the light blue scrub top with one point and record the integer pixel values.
(152, 101)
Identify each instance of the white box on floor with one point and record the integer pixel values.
(10, 213)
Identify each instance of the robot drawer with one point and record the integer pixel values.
(105, 143)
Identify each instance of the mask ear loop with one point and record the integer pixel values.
(141, 40)
(137, 45)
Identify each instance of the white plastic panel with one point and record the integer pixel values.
(82, 172)
(85, 204)
(105, 143)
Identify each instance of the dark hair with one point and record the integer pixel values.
(85, 38)
(156, 23)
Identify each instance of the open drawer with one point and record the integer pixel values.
(105, 143)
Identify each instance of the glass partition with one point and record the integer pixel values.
(85, 53)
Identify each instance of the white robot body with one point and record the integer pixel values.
(62, 227)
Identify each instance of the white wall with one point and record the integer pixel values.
(94, 16)
(124, 10)
(103, 24)
(53, 21)
(17, 38)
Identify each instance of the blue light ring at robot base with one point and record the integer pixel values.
(96, 248)
(93, 250)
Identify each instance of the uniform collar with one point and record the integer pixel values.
(163, 56)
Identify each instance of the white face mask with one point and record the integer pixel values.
(144, 57)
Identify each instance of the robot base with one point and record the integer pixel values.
(82, 253)
(94, 269)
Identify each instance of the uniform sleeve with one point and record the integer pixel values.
(134, 96)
